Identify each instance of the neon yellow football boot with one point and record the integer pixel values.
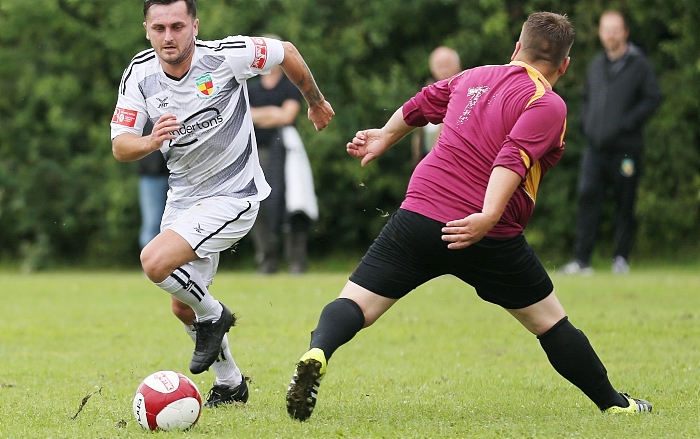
(636, 406)
(303, 389)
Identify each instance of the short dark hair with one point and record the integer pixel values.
(547, 36)
(191, 5)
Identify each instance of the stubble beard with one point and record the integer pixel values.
(183, 57)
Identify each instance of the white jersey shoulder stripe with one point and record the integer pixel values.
(240, 44)
(140, 58)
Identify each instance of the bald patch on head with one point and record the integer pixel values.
(444, 62)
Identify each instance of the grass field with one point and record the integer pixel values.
(441, 364)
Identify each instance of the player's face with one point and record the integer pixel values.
(612, 32)
(443, 68)
(171, 31)
(443, 64)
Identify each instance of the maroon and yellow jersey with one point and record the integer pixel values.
(505, 115)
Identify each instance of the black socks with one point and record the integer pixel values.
(567, 349)
(339, 322)
(573, 357)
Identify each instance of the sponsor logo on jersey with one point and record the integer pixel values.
(206, 87)
(260, 53)
(201, 121)
(125, 117)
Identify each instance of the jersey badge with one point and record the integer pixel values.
(125, 117)
(206, 87)
(260, 53)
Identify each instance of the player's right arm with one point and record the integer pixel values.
(128, 147)
(370, 144)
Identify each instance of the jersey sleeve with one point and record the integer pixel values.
(539, 130)
(428, 105)
(260, 56)
(131, 113)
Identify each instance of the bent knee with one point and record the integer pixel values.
(370, 318)
(154, 265)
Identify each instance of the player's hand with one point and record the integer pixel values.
(466, 231)
(321, 114)
(162, 130)
(367, 145)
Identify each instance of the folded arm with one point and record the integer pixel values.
(272, 116)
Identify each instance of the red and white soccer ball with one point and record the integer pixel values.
(167, 400)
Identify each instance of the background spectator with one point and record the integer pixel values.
(620, 95)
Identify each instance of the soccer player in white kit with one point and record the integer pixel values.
(194, 93)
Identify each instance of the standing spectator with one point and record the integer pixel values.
(275, 103)
(153, 192)
(193, 91)
(465, 210)
(443, 62)
(620, 95)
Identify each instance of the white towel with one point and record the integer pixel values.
(299, 181)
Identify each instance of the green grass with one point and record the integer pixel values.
(441, 363)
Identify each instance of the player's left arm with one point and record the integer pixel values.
(466, 231)
(539, 130)
(320, 111)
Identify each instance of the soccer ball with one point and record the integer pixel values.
(167, 400)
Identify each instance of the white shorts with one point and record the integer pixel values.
(211, 226)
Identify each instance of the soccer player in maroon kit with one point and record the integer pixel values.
(466, 206)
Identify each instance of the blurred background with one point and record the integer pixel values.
(65, 200)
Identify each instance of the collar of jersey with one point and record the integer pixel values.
(532, 70)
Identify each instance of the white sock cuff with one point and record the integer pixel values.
(187, 286)
(170, 285)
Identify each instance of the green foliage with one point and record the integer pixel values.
(64, 198)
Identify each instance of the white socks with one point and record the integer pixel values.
(225, 369)
(186, 284)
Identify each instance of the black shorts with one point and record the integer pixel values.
(410, 251)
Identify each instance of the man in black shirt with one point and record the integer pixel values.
(620, 95)
(275, 103)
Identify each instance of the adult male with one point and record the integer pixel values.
(443, 62)
(620, 95)
(465, 209)
(194, 93)
(275, 103)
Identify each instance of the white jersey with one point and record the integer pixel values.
(215, 153)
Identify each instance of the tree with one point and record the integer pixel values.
(64, 198)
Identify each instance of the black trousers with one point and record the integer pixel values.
(273, 221)
(268, 226)
(603, 172)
